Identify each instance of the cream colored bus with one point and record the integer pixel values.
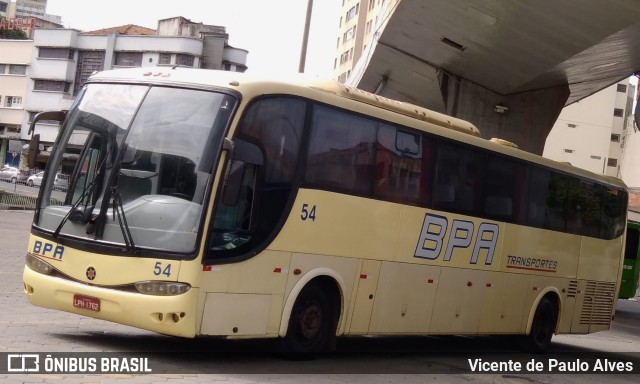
(212, 203)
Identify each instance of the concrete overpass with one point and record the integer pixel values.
(508, 66)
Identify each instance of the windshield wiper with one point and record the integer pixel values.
(74, 209)
(118, 210)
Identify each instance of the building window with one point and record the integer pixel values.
(344, 57)
(88, 63)
(3, 69)
(594, 157)
(51, 86)
(350, 34)
(618, 112)
(185, 60)
(572, 125)
(13, 101)
(165, 58)
(612, 162)
(615, 138)
(17, 69)
(622, 88)
(568, 150)
(129, 59)
(351, 13)
(3, 6)
(56, 53)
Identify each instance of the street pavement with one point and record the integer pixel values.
(25, 328)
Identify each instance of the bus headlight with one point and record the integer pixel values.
(162, 288)
(38, 265)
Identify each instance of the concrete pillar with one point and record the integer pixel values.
(522, 118)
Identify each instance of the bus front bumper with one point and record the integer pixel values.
(170, 315)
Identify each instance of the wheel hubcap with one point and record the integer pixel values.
(311, 321)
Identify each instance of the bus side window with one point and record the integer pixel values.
(613, 219)
(504, 185)
(260, 183)
(459, 179)
(537, 212)
(341, 155)
(234, 211)
(399, 166)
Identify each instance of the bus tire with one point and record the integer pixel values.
(542, 327)
(311, 322)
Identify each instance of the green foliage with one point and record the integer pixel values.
(13, 34)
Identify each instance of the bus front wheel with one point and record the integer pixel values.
(542, 328)
(310, 324)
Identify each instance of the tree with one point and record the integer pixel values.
(13, 34)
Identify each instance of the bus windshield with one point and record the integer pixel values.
(139, 159)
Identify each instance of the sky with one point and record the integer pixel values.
(271, 30)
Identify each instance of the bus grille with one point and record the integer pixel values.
(597, 306)
(572, 291)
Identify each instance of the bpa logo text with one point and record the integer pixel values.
(434, 229)
(47, 250)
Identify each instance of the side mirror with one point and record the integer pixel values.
(34, 148)
(51, 115)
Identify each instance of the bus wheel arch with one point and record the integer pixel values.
(312, 315)
(543, 322)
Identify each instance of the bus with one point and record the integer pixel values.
(631, 268)
(211, 203)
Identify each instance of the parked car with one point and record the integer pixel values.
(35, 180)
(12, 174)
(60, 183)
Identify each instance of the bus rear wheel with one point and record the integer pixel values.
(542, 328)
(310, 323)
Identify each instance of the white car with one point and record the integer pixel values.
(35, 180)
(61, 183)
(11, 174)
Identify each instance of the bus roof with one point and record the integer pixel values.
(298, 84)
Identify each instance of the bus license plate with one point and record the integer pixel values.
(86, 302)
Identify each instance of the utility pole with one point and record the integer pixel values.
(305, 37)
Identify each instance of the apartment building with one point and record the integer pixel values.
(360, 22)
(63, 59)
(14, 71)
(592, 133)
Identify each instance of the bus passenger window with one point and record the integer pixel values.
(504, 185)
(458, 179)
(614, 206)
(341, 151)
(398, 169)
(537, 210)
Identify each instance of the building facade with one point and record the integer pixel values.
(14, 80)
(360, 20)
(28, 15)
(591, 133)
